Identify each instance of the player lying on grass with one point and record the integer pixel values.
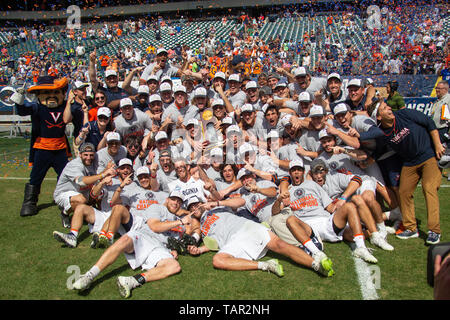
(311, 213)
(242, 242)
(145, 246)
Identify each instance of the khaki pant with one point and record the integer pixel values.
(278, 225)
(430, 174)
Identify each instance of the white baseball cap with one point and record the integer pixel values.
(160, 50)
(316, 110)
(192, 121)
(165, 78)
(243, 172)
(176, 194)
(110, 73)
(300, 71)
(179, 88)
(324, 133)
(152, 77)
(234, 77)
(296, 163)
(341, 108)
(80, 85)
(355, 82)
(286, 120)
(217, 102)
(143, 89)
(304, 96)
(220, 74)
(165, 86)
(192, 200)
(281, 84)
(334, 75)
(233, 128)
(104, 111)
(161, 135)
(142, 170)
(155, 97)
(113, 136)
(247, 107)
(125, 102)
(227, 120)
(251, 85)
(246, 147)
(200, 92)
(125, 161)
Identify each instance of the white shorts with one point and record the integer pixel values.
(63, 200)
(249, 242)
(324, 227)
(148, 250)
(367, 184)
(100, 218)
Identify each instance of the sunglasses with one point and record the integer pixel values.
(99, 98)
(134, 146)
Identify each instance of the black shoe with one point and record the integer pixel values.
(65, 219)
(30, 199)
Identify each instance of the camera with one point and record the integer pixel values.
(441, 249)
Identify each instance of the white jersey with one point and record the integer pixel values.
(220, 224)
(309, 200)
(190, 188)
(258, 204)
(107, 194)
(140, 124)
(138, 198)
(74, 169)
(336, 184)
(104, 157)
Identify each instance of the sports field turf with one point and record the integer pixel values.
(35, 266)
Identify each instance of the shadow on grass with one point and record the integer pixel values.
(107, 276)
(43, 206)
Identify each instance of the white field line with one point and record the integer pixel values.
(368, 290)
(19, 178)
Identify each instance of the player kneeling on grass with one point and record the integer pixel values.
(242, 242)
(311, 213)
(346, 187)
(145, 246)
(103, 191)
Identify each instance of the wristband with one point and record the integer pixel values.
(343, 198)
(153, 177)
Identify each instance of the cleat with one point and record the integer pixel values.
(364, 254)
(378, 240)
(65, 220)
(95, 240)
(83, 282)
(433, 238)
(211, 243)
(67, 238)
(390, 230)
(275, 267)
(103, 241)
(125, 285)
(408, 234)
(322, 264)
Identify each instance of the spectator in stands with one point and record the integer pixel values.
(394, 98)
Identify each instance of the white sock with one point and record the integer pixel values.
(93, 272)
(359, 240)
(381, 227)
(262, 265)
(311, 246)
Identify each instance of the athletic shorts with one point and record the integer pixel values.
(100, 218)
(367, 184)
(63, 200)
(324, 227)
(391, 168)
(148, 249)
(249, 242)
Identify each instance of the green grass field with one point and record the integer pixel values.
(35, 266)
